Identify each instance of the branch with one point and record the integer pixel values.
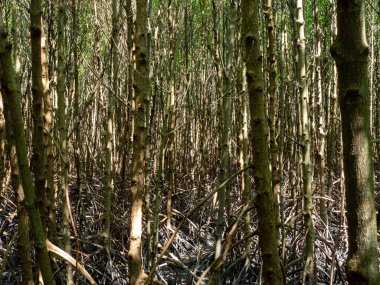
(65, 256)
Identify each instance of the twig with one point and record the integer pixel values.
(177, 261)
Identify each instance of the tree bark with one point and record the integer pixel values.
(223, 137)
(307, 192)
(141, 89)
(171, 115)
(272, 88)
(350, 52)
(12, 92)
(62, 130)
(260, 150)
(110, 129)
(39, 77)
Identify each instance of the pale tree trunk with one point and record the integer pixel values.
(62, 131)
(244, 160)
(13, 94)
(308, 274)
(171, 114)
(110, 126)
(141, 89)
(331, 121)
(242, 113)
(48, 144)
(319, 115)
(350, 52)
(271, 269)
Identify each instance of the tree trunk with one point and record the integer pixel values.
(12, 92)
(271, 63)
(171, 114)
(308, 274)
(77, 117)
(110, 126)
(260, 150)
(15, 182)
(39, 78)
(350, 52)
(62, 130)
(319, 117)
(141, 89)
(224, 122)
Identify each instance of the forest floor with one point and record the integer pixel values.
(192, 250)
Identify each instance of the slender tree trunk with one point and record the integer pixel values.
(48, 144)
(332, 113)
(281, 136)
(223, 90)
(225, 120)
(12, 92)
(129, 40)
(149, 119)
(260, 150)
(161, 157)
(39, 78)
(350, 52)
(23, 224)
(109, 168)
(229, 78)
(141, 88)
(308, 275)
(77, 117)
(171, 114)
(271, 62)
(319, 117)
(15, 182)
(62, 130)
(244, 160)
(243, 139)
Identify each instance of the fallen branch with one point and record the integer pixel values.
(67, 257)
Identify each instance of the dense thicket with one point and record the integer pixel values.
(189, 142)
